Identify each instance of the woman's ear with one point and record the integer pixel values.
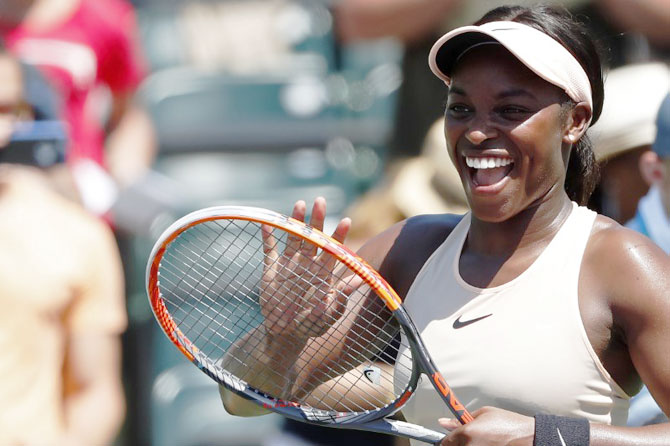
(577, 122)
(651, 167)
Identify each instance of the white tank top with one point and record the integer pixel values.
(519, 346)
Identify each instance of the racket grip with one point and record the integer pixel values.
(456, 407)
(402, 429)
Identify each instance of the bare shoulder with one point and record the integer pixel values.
(629, 269)
(399, 252)
(612, 245)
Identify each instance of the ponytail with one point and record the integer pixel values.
(583, 172)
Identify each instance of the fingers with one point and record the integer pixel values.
(316, 221)
(452, 424)
(269, 246)
(293, 242)
(297, 293)
(339, 306)
(452, 438)
(322, 315)
(318, 213)
(328, 260)
(449, 423)
(342, 230)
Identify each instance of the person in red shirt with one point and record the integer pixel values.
(88, 50)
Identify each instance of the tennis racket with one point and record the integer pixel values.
(222, 278)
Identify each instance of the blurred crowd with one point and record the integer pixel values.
(117, 117)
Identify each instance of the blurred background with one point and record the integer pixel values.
(254, 103)
(261, 103)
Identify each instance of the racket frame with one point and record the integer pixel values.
(372, 420)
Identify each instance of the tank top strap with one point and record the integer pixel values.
(442, 259)
(569, 243)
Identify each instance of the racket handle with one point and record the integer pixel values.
(456, 407)
(401, 429)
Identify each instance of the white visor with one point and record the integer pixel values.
(543, 55)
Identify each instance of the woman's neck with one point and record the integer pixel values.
(537, 223)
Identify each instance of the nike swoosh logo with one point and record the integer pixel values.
(560, 437)
(458, 323)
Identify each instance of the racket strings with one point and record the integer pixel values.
(212, 282)
(344, 396)
(346, 383)
(234, 305)
(346, 367)
(198, 258)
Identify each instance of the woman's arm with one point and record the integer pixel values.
(637, 280)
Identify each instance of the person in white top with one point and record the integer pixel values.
(543, 316)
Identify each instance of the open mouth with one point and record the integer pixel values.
(487, 171)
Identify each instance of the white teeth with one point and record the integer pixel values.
(487, 163)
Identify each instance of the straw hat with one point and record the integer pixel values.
(633, 95)
(425, 184)
(429, 183)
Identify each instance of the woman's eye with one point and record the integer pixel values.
(513, 110)
(457, 109)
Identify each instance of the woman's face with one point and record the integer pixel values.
(506, 133)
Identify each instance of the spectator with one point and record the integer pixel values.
(620, 137)
(653, 220)
(63, 308)
(87, 47)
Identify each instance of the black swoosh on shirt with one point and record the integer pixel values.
(460, 324)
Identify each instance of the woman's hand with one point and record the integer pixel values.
(298, 295)
(491, 427)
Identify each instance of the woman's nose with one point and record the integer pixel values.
(479, 132)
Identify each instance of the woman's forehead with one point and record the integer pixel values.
(493, 69)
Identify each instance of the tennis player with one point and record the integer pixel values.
(544, 317)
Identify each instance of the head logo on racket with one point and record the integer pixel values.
(373, 374)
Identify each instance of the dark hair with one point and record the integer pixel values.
(583, 173)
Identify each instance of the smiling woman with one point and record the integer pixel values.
(534, 41)
(518, 119)
(543, 317)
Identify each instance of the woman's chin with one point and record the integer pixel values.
(493, 208)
